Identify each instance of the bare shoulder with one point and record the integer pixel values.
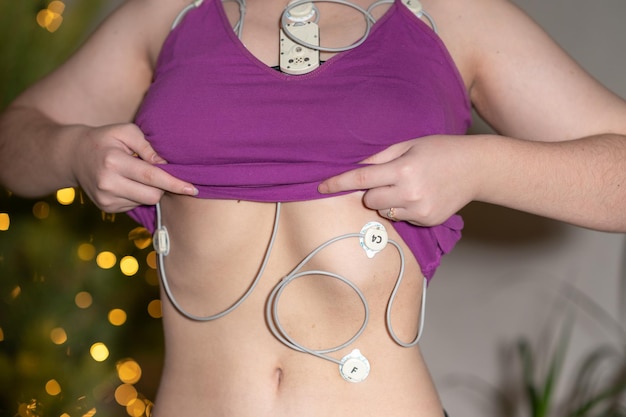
(467, 28)
(517, 76)
(105, 79)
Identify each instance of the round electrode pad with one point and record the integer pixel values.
(301, 13)
(354, 367)
(374, 238)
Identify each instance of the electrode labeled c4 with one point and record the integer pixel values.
(374, 238)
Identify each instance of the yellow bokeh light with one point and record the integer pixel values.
(106, 260)
(149, 406)
(136, 408)
(15, 292)
(99, 352)
(31, 409)
(151, 260)
(56, 6)
(141, 237)
(66, 196)
(129, 266)
(50, 18)
(53, 388)
(128, 371)
(154, 309)
(5, 222)
(117, 317)
(86, 252)
(65, 415)
(58, 336)
(90, 413)
(125, 394)
(41, 210)
(83, 299)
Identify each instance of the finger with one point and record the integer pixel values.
(391, 214)
(134, 139)
(371, 176)
(382, 198)
(162, 180)
(388, 154)
(156, 177)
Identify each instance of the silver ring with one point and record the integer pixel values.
(391, 214)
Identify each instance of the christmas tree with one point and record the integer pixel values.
(80, 330)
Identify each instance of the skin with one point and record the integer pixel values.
(560, 152)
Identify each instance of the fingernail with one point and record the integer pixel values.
(322, 188)
(191, 190)
(158, 159)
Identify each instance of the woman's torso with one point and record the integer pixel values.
(234, 366)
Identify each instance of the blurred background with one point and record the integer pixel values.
(80, 330)
(525, 317)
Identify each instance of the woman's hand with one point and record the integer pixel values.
(425, 180)
(117, 168)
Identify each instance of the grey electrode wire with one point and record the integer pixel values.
(369, 20)
(279, 332)
(181, 15)
(162, 252)
(161, 244)
(367, 14)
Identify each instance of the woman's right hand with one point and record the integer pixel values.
(118, 168)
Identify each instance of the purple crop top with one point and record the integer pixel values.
(238, 129)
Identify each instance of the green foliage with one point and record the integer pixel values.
(597, 389)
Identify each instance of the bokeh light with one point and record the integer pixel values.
(129, 266)
(53, 387)
(99, 352)
(83, 300)
(154, 309)
(1, 335)
(117, 317)
(125, 394)
(141, 237)
(106, 260)
(56, 6)
(31, 409)
(128, 371)
(136, 408)
(5, 222)
(86, 252)
(58, 336)
(16, 291)
(151, 259)
(41, 210)
(51, 17)
(66, 196)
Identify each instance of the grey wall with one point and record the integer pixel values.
(518, 275)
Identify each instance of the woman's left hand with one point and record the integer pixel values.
(424, 180)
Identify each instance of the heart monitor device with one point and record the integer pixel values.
(297, 31)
